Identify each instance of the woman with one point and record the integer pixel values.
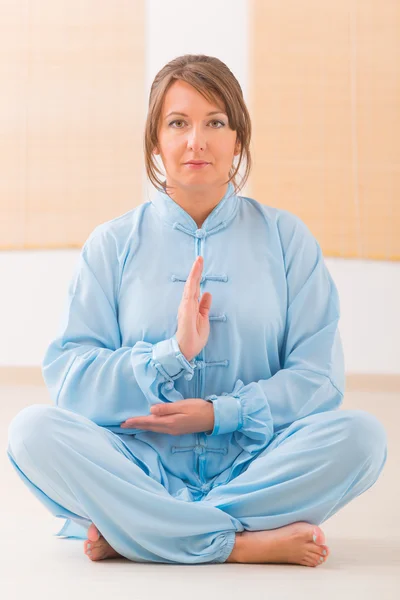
(198, 370)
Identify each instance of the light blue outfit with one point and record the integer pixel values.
(273, 367)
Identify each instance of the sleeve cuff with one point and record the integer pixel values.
(227, 414)
(170, 362)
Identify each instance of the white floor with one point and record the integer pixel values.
(364, 541)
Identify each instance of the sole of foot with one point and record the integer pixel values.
(96, 547)
(299, 543)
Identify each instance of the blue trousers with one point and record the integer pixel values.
(86, 473)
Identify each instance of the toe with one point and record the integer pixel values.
(87, 546)
(315, 559)
(309, 562)
(318, 536)
(318, 550)
(93, 533)
(325, 551)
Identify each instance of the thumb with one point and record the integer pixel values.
(160, 409)
(205, 304)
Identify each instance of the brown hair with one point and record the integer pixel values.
(213, 80)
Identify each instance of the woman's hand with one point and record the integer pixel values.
(191, 415)
(193, 322)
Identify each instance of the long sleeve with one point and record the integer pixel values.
(312, 375)
(86, 370)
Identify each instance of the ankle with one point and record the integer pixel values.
(237, 550)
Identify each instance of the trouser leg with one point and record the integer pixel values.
(76, 468)
(310, 471)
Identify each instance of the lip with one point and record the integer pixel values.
(196, 165)
(197, 162)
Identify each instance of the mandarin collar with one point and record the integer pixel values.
(177, 217)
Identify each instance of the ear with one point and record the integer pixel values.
(237, 148)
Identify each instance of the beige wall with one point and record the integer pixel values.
(71, 118)
(324, 97)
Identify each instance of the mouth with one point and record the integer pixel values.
(196, 165)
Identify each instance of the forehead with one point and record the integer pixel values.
(183, 97)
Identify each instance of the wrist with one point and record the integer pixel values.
(210, 413)
(188, 357)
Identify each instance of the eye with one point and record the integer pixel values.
(220, 122)
(213, 121)
(176, 121)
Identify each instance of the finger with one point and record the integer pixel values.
(187, 287)
(192, 278)
(205, 304)
(162, 409)
(140, 422)
(198, 292)
(168, 409)
(191, 282)
(155, 428)
(160, 428)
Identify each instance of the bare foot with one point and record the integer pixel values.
(292, 544)
(96, 547)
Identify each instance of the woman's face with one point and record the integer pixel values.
(196, 136)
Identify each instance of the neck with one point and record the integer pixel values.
(198, 204)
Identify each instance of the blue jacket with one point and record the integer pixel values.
(274, 353)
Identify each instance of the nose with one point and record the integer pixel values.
(196, 139)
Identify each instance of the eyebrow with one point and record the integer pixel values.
(213, 112)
